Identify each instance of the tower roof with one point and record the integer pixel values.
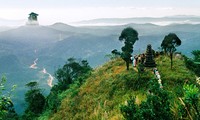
(34, 14)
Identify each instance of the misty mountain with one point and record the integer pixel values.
(32, 34)
(52, 45)
(7, 22)
(141, 20)
(5, 28)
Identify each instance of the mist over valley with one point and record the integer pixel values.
(35, 52)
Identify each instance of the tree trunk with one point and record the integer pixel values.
(127, 65)
(165, 51)
(171, 56)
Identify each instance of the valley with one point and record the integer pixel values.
(34, 53)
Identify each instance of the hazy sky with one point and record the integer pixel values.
(51, 11)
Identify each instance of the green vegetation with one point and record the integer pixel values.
(129, 36)
(196, 54)
(169, 44)
(6, 105)
(194, 64)
(156, 106)
(35, 101)
(116, 90)
(72, 75)
(105, 94)
(191, 99)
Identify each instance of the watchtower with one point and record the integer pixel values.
(32, 19)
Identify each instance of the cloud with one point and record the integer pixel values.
(165, 8)
(51, 15)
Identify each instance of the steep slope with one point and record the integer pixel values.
(111, 85)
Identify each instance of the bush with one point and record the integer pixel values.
(6, 105)
(156, 107)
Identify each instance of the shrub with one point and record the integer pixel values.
(156, 107)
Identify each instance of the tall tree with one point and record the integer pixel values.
(35, 100)
(169, 44)
(129, 36)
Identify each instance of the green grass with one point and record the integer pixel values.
(177, 76)
(111, 85)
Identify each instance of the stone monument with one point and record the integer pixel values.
(149, 61)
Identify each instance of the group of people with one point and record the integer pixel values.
(155, 70)
(138, 59)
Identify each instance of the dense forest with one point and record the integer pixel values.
(165, 88)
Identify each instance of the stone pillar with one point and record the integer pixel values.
(149, 61)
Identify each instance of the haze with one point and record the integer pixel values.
(67, 11)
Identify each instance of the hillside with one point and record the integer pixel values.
(111, 85)
(54, 44)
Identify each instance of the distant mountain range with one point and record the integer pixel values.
(7, 22)
(53, 45)
(141, 20)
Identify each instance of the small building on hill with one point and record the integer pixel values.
(32, 16)
(32, 19)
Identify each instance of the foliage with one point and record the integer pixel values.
(156, 107)
(110, 86)
(100, 96)
(129, 36)
(114, 54)
(169, 44)
(196, 54)
(35, 100)
(73, 72)
(191, 99)
(129, 111)
(69, 72)
(6, 105)
(193, 64)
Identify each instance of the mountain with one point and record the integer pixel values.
(5, 28)
(141, 20)
(32, 34)
(7, 22)
(111, 85)
(63, 27)
(50, 46)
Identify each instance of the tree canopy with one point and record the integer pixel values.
(196, 54)
(35, 101)
(129, 36)
(72, 71)
(69, 72)
(169, 44)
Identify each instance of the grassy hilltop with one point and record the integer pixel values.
(111, 85)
